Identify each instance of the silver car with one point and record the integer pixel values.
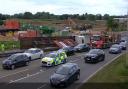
(123, 45)
(34, 53)
(115, 49)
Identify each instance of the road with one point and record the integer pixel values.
(36, 77)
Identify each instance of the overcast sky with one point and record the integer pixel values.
(113, 7)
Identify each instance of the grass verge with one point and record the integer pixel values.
(113, 76)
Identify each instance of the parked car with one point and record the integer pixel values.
(15, 60)
(94, 55)
(54, 58)
(69, 50)
(115, 49)
(81, 48)
(34, 53)
(65, 75)
(123, 45)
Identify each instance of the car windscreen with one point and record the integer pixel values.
(63, 70)
(122, 43)
(51, 55)
(66, 48)
(115, 46)
(79, 46)
(93, 52)
(30, 51)
(14, 57)
(96, 38)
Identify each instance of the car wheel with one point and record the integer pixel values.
(41, 55)
(85, 60)
(100, 59)
(51, 84)
(78, 77)
(53, 64)
(12, 67)
(66, 84)
(103, 58)
(65, 60)
(27, 63)
(30, 59)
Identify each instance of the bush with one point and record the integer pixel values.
(10, 45)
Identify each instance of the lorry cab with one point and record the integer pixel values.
(100, 41)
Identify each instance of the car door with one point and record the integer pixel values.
(100, 53)
(84, 47)
(61, 57)
(18, 60)
(71, 75)
(24, 59)
(35, 54)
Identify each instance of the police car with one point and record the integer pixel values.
(54, 58)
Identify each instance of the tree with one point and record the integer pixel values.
(28, 15)
(91, 17)
(46, 30)
(106, 16)
(1, 22)
(98, 17)
(111, 24)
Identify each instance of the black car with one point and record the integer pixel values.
(94, 55)
(81, 48)
(65, 75)
(15, 60)
(69, 50)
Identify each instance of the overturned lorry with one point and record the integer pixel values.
(104, 39)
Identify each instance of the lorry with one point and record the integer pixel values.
(104, 39)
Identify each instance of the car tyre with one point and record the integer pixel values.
(65, 60)
(53, 64)
(100, 59)
(103, 58)
(12, 67)
(30, 59)
(27, 63)
(78, 77)
(41, 55)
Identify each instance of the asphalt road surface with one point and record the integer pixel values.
(36, 77)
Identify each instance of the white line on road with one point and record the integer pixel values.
(75, 60)
(12, 81)
(42, 86)
(13, 73)
(99, 70)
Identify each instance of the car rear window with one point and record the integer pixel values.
(63, 70)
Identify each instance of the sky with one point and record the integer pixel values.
(58, 7)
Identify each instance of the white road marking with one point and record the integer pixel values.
(12, 81)
(13, 73)
(99, 70)
(75, 60)
(42, 86)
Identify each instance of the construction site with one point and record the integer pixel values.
(56, 34)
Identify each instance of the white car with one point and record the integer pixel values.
(34, 53)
